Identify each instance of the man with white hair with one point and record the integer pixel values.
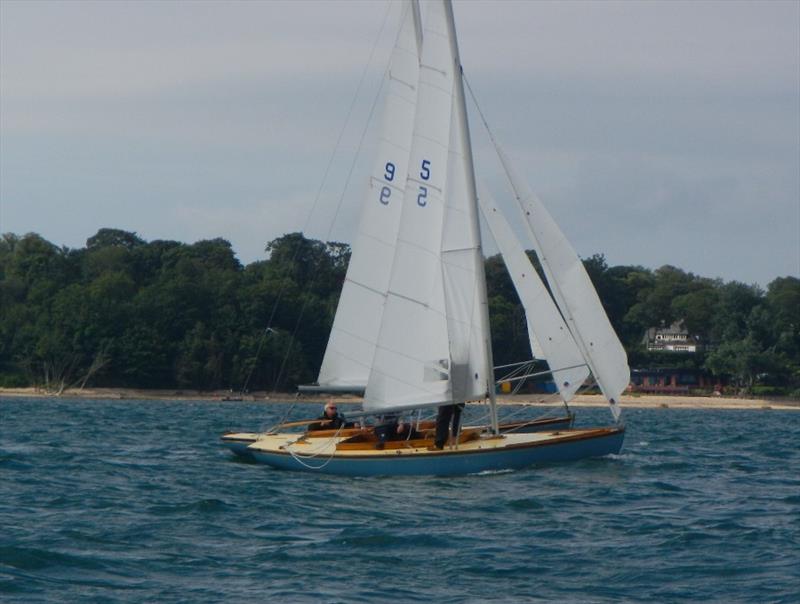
(331, 419)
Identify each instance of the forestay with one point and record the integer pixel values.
(351, 346)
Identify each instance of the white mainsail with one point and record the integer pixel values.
(351, 346)
(573, 292)
(546, 327)
(411, 367)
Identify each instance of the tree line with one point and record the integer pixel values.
(124, 312)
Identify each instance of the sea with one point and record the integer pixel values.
(137, 501)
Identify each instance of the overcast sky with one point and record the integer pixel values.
(655, 132)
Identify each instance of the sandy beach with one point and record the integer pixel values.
(643, 401)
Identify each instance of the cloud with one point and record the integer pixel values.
(655, 132)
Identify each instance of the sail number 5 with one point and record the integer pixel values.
(424, 174)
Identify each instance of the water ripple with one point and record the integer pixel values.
(126, 501)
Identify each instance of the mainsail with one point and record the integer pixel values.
(573, 292)
(351, 345)
(411, 367)
(546, 327)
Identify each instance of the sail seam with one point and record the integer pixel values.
(374, 238)
(418, 247)
(434, 85)
(383, 183)
(456, 250)
(431, 140)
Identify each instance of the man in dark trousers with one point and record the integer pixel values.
(443, 417)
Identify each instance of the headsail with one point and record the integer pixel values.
(351, 345)
(573, 292)
(411, 366)
(546, 327)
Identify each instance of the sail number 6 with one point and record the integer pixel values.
(388, 174)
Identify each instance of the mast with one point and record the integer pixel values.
(458, 90)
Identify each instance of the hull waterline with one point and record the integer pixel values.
(508, 452)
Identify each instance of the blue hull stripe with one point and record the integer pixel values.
(451, 463)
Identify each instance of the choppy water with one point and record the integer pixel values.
(132, 501)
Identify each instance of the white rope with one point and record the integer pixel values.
(314, 454)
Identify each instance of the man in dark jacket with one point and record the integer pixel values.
(333, 420)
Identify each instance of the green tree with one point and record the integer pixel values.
(125, 312)
(697, 309)
(114, 238)
(736, 302)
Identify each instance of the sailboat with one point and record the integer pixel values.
(412, 325)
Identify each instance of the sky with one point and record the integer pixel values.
(655, 132)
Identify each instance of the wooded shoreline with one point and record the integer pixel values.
(633, 401)
(166, 315)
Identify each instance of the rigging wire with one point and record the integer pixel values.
(261, 341)
(478, 108)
